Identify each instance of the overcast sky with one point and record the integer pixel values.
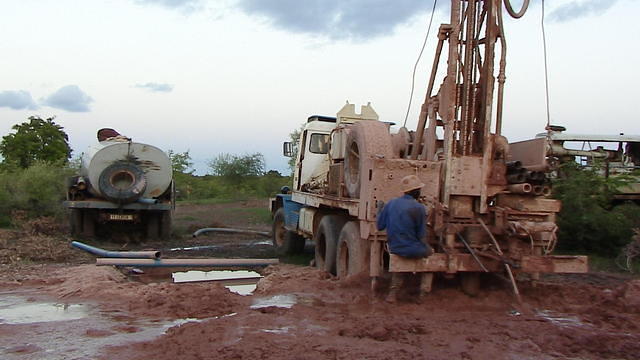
(237, 76)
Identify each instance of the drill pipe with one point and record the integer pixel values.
(516, 178)
(524, 188)
(538, 190)
(187, 262)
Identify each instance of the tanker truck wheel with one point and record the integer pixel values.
(326, 242)
(285, 241)
(153, 226)
(122, 182)
(165, 225)
(367, 139)
(353, 251)
(75, 221)
(89, 219)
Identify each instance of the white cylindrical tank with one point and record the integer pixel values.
(126, 171)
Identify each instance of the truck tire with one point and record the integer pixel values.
(326, 242)
(88, 223)
(285, 241)
(367, 139)
(75, 221)
(353, 251)
(165, 225)
(122, 182)
(153, 226)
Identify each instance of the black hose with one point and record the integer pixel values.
(232, 231)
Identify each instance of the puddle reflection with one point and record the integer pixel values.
(240, 282)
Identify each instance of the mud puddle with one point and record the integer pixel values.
(18, 310)
(560, 319)
(37, 329)
(282, 301)
(241, 282)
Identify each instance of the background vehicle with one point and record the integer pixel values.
(122, 184)
(484, 213)
(610, 155)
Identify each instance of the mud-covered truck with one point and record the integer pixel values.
(481, 218)
(121, 185)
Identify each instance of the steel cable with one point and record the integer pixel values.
(415, 67)
(546, 69)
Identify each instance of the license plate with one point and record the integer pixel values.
(121, 217)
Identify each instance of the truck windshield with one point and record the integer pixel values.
(319, 143)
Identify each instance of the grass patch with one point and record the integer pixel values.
(253, 215)
(211, 201)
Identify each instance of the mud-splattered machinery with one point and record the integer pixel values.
(122, 185)
(487, 213)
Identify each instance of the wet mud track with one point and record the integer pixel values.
(301, 313)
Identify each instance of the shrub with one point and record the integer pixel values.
(37, 191)
(588, 221)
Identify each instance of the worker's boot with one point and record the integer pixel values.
(396, 283)
(426, 281)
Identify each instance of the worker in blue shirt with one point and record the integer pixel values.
(405, 218)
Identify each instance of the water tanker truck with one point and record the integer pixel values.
(121, 185)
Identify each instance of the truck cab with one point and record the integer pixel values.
(312, 162)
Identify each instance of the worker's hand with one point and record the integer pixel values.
(379, 205)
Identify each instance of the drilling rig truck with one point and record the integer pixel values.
(482, 213)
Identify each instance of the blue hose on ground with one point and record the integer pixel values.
(153, 254)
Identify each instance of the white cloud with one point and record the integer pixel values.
(69, 98)
(188, 5)
(17, 100)
(156, 87)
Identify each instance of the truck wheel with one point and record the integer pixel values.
(75, 221)
(165, 225)
(122, 182)
(88, 223)
(285, 241)
(326, 242)
(470, 283)
(153, 226)
(353, 251)
(365, 140)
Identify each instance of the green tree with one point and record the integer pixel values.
(589, 221)
(181, 162)
(35, 140)
(294, 138)
(236, 167)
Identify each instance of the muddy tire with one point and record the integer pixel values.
(89, 223)
(165, 225)
(153, 226)
(470, 283)
(353, 251)
(75, 221)
(366, 139)
(285, 241)
(122, 182)
(326, 242)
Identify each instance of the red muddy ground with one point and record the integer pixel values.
(593, 316)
